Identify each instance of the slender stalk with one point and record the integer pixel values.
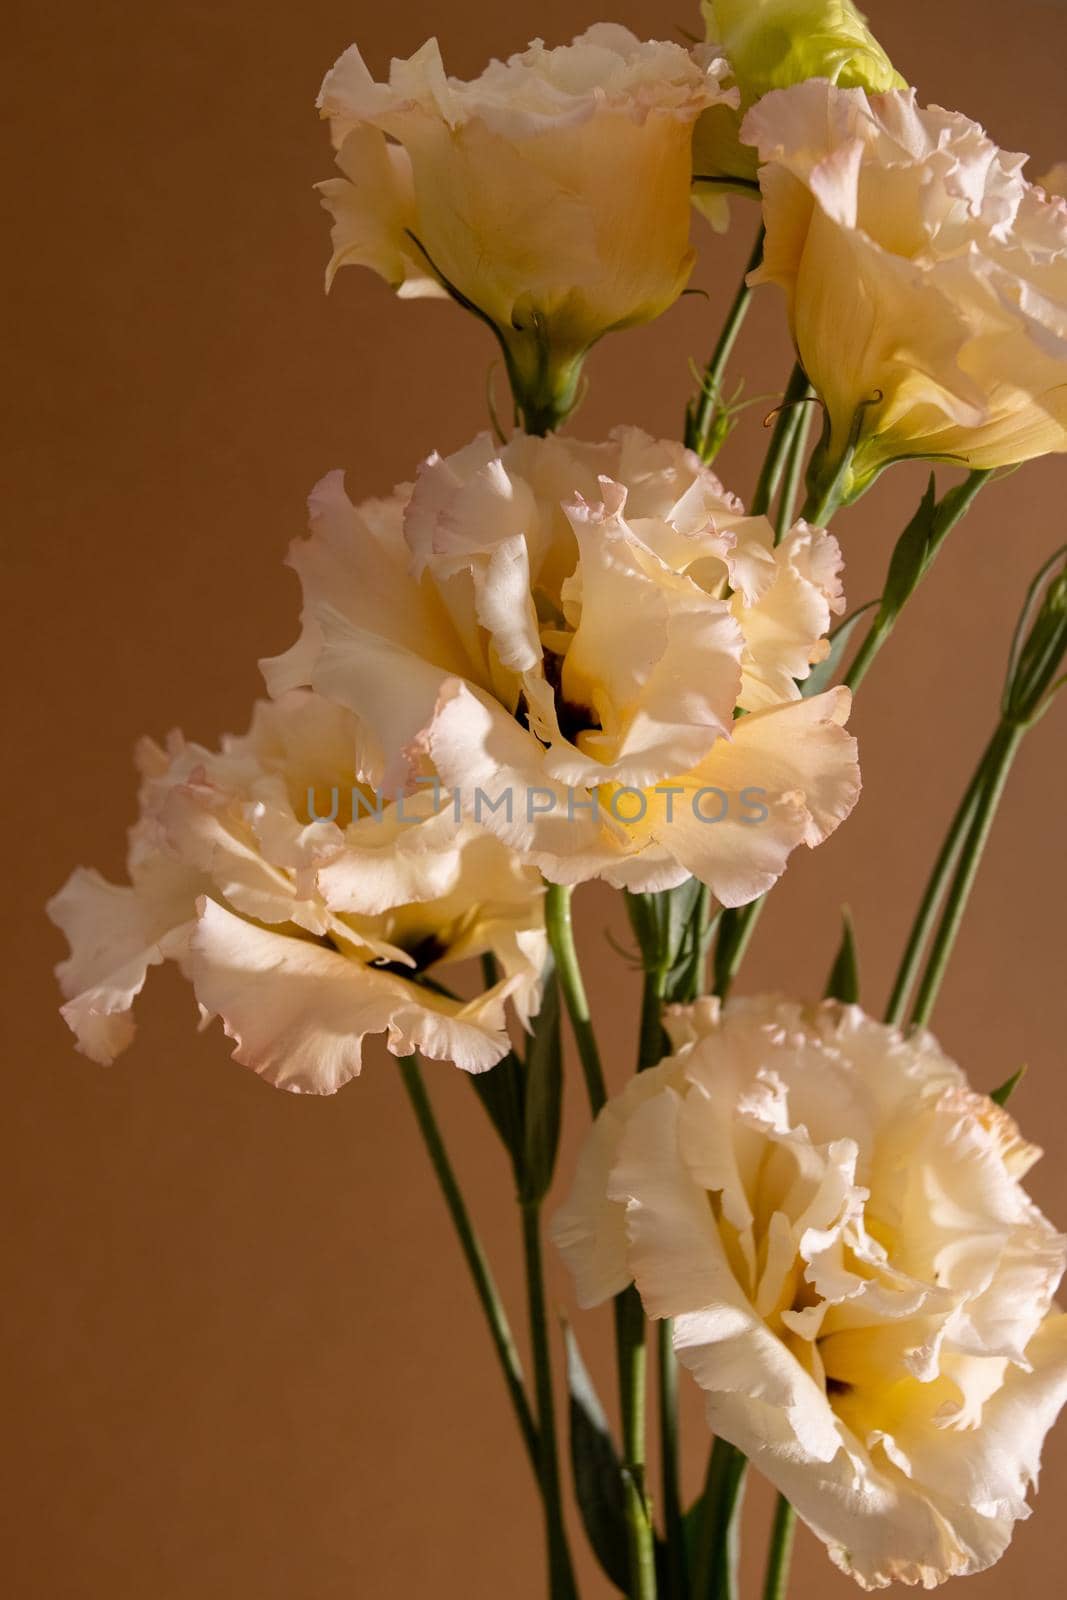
(650, 1040)
(736, 928)
(630, 1348)
(560, 1573)
(701, 413)
(673, 1519)
(776, 1581)
(873, 640)
(932, 896)
(786, 424)
(484, 1285)
(560, 930)
(793, 475)
(716, 1553)
(629, 1316)
(692, 981)
(1002, 752)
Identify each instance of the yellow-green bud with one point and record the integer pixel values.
(772, 44)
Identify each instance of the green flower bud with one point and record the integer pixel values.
(773, 44)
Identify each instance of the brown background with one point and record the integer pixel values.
(243, 1359)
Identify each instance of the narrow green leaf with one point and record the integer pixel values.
(823, 673)
(544, 1094)
(599, 1483)
(844, 980)
(681, 907)
(1002, 1095)
(912, 553)
(502, 1091)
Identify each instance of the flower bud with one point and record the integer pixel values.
(773, 44)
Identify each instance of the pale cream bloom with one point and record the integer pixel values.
(565, 630)
(859, 1282)
(926, 280)
(306, 913)
(551, 193)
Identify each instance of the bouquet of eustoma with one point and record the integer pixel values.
(547, 660)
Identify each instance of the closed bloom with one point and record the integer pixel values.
(860, 1284)
(565, 632)
(305, 911)
(550, 195)
(772, 44)
(926, 280)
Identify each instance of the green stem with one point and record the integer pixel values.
(1001, 754)
(823, 501)
(486, 1289)
(673, 1519)
(932, 896)
(776, 1581)
(561, 1576)
(691, 982)
(874, 639)
(560, 930)
(630, 1348)
(629, 1316)
(716, 1553)
(736, 928)
(785, 426)
(650, 1051)
(794, 469)
(701, 413)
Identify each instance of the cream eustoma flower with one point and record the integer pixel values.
(551, 194)
(305, 911)
(859, 1282)
(926, 280)
(564, 631)
(772, 44)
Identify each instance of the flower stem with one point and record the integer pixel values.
(629, 1315)
(560, 930)
(700, 415)
(776, 1581)
(484, 1285)
(673, 1520)
(736, 927)
(650, 1049)
(716, 1554)
(786, 424)
(560, 1574)
(630, 1347)
(794, 469)
(997, 764)
(932, 896)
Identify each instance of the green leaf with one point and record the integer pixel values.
(599, 1481)
(912, 554)
(544, 1094)
(823, 673)
(501, 1091)
(1002, 1095)
(844, 980)
(681, 908)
